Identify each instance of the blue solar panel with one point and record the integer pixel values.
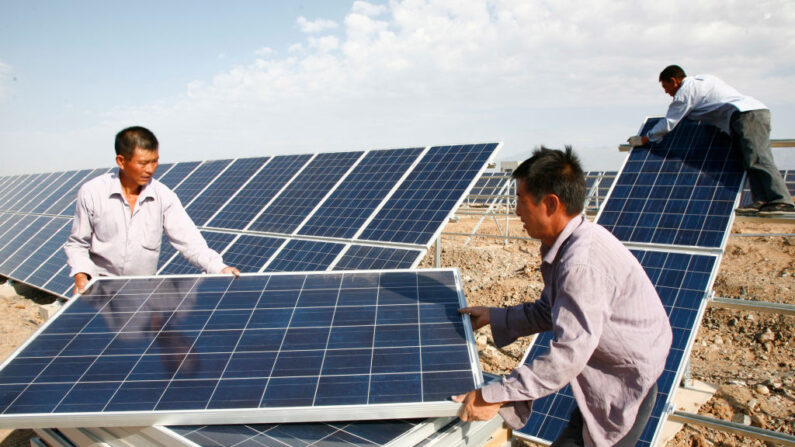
(42, 253)
(189, 188)
(266, 348)
(33, 186)
(179, 265)
(354, 200)
(300, 256)
(682, 281)
(11, 220)
(16, 190)
(249, 253)
(28, 246)
(295, 203)
(363, 257)
(219, 192)
(162, 169)
(176, 174)
(52, 274)
(679, 192)
(416, 211)
(244, 207)
(68, 181)
(489, 184)
(65, 205)
(16, 235)
(47, 188)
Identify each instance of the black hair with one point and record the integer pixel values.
(552, 171)
(130, 138)
(672, 72)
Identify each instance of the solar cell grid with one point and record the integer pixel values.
(244, 207)
(297, 201)
(64, 184)
(176, 173)
(354, 200)
(42, 253)
(179, 265)
(15, 191)
(32, 186)
(133, 350)
(681, 192)
(218, 193)
(47, 187)
(65, 205)
(414, 213)
(27, 246)
(364, 257)
(682, 281)
(249, 253)
(300, 255)
(202, 176)
(21, 231)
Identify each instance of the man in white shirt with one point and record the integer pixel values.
(747, 120)
(120, 218)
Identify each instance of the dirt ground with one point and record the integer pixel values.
(748, 356)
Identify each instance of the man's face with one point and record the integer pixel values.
(533, 215)
(671, 86)
(140, 167)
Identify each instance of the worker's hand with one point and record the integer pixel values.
(475, 408)
(637, 140)
(81, 280)
(478, 315)
(232, 270)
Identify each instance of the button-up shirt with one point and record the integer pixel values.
(108, 239)
(611, 334)
(706, 98)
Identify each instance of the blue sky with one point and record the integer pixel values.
(248, 78)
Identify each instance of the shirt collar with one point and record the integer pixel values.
(548, 254)
(115, 187)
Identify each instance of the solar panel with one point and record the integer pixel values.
(260, 348)
(299, 255)
(53, 182)
(249, 253)
(177, 173)
(365, 257)
(203, 207)
(32, 187)
(15, 191)
(417, 209)
(43, 252)
(297, 201)
(26, 247)
(682, 281)
(11, 220)
(354, 200)
(679, 192)
(204, 175)
(179, 265)
(65, 206)
(26, 227)
(244, 207)
(67, 181)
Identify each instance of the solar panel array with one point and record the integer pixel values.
(672, 205)
(267, 347)
(349, 210)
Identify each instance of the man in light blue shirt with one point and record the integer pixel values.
(747, 120)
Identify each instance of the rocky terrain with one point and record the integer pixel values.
(748, 356)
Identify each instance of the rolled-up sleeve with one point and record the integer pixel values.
(79, 241)
(578, 312)
(186, 238)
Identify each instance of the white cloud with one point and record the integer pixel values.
(368, 9)
(265, 52)
(315, 26)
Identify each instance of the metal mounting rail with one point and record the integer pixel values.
(760, 306)
(733, 427)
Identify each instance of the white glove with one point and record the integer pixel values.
(637, 140)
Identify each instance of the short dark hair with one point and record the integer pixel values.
(552, 171)
(672, 72)
(136, 136)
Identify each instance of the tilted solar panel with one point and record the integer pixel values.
(43, 252)
(56, 180)
(17, 190)
(415, 212)
(354, 200)
(682, 281)
(20, 232)
(199, 179)
(679, 192)
(203, 207)
(297, 201)
(365, 257)
(247, 204)
(299, 255)
(178, 265)
(176, 174)
(26, 247)
(65, 205)
(260, 348)
(250, 253)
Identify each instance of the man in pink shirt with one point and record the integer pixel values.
(611, 332)
(120, 218)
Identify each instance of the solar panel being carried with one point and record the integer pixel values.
(260, 348)
(672, 205)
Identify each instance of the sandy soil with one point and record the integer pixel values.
(748, 356)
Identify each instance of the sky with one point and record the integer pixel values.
(234, 79)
